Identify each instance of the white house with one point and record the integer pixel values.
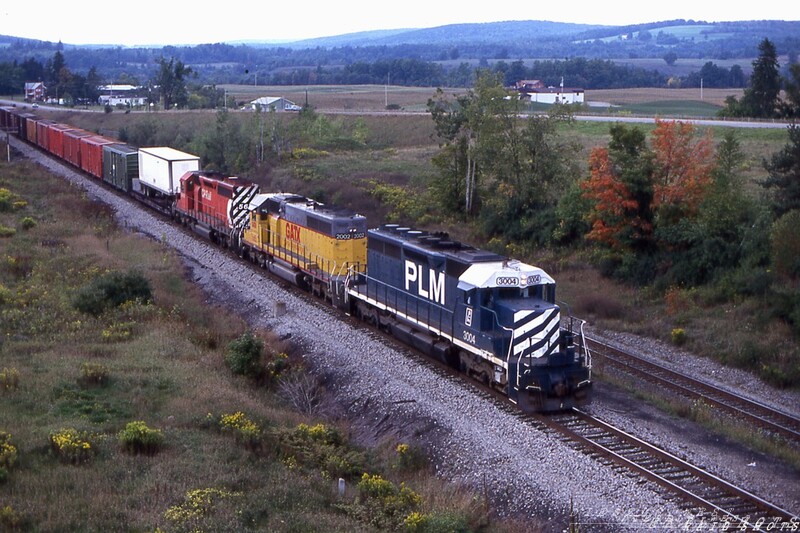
(537, 92)
(115, 100)
(121, 94)
(275, 102)
(556, 95)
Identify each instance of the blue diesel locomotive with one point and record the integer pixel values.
(492, 318)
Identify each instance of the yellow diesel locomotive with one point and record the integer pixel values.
(305, 242)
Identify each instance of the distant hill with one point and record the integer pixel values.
(420, 52)
(454, 34)
(543, 39)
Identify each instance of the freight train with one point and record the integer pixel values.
(493, 318)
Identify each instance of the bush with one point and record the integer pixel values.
(322, 447)
(197, 507)
(111, 290)
(71, 446)
(8, 452)
(679, 337)
(386, 505)
(786, 245)
(244, 355)
(93, 374)
(10, 201)
(410, 458)
(138, 438)
(11, 520)
(245, 430)
(27, 223)
(9, 379)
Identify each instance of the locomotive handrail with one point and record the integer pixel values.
(586, 351)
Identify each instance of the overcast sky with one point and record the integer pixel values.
(151, 22)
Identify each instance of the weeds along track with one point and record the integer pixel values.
(721, 503)
(768, 420)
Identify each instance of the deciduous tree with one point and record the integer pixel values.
(683, 169)
(171, 82)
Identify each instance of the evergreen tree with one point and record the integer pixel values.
(761, 98)
(790, 107)
(784, 175)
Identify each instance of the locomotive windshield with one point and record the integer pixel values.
(542, 293)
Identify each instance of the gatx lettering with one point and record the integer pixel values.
(292, 232)
(430, 286)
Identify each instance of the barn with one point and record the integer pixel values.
(277, 103)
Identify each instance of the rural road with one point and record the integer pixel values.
(587, 118)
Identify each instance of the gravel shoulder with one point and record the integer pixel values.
(387, 394)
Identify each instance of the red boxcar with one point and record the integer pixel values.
(27, 126)
(10, 120)
(56, 138)
(72, 145)
(41, 132)
(215, 202)
(92, 154)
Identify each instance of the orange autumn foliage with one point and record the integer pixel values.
(614, 202)
(682, 173)
(683, 167)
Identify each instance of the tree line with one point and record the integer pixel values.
(220, 63)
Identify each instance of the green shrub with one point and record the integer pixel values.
(410, 458)
(786, 245)
(198, 506)
(71, 446)
(11, 520)
(245, 430)
(275, 367)
(244, 355)
(679, 337)
(320, 447)
(8, 452)
(9, 379)
(138, 438)
(27, 223)
(386, 505)
(10, 201)
(93, 374)
(111, 290)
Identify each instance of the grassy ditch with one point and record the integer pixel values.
(124, 412)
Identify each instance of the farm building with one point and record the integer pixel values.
(556, 95)
(35, 91)
(120, 94)
(277, 103)
(535, 91)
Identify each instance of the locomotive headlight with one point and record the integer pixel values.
(523, 280)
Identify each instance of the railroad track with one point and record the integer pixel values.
(768, 419)
(723, 505)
